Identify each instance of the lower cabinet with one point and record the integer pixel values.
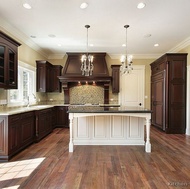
(14, 134)
(62, 117)
(43, 123)
(20, 132)
(27, 128)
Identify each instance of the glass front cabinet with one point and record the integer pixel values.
(8, 61)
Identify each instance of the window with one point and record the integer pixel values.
(26, 87)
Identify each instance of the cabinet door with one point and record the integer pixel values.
(41, 78)
(115, 78)
(55, 83)
(14, 133)
(48, 78)
(62, 116)
(158, 99)
(177, 95)
(8, 67)
(12, 69)
(27, 129)
(49, 126)
(8, 62)
(2, 65)
(43, 123)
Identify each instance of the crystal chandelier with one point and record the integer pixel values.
(86, 60)
(126, 61)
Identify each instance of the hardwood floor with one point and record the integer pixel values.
(49, 165)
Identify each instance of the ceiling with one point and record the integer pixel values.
(163, 22)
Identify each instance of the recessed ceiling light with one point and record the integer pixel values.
(141, 5)
(51, 35)
(156, 45)
(84, 5)
(33, 36)
(27, 6)
(147, 35)
(123, 45)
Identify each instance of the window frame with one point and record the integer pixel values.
(32, 96)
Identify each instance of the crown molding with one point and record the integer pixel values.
(56, 56)
(137, 56)
(181, 45)
(21, 37)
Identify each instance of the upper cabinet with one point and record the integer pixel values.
(115, 78)
(47, 80)
(8, 61)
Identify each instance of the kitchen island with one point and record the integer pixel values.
(107, 125)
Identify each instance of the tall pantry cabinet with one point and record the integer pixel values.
(168, 92)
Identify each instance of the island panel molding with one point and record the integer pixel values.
(109, 126)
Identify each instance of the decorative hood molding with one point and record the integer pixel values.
(72, 74)
(72, 70)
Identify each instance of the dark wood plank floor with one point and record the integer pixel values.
(106, 167)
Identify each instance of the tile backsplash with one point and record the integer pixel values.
(85, 94)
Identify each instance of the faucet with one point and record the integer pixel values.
(34, 95)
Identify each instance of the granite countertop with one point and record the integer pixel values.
(11, 111)
(78, 108)
(107, 109)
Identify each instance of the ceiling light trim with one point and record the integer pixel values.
(141, 5)
(84, 5)
(27, 6)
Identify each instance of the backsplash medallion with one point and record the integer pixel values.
(85, 94)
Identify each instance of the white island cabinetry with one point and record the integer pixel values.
(109, 126)
(108, 130)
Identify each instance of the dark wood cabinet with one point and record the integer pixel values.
(8, 62)
(62, 117)
(55, 83)
(27, 128)
(47, 80)
(20, 132)
(13, 134)
(115, 78)
(43, 76)
(168, 92)
(43, 123)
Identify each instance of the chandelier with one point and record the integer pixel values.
(86, 60)
(126, 61)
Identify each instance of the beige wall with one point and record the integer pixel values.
(110, 61)
(29, 56)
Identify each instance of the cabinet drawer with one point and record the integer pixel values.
(27, 115)
(14, 118)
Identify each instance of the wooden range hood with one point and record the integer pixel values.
(72, 74)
